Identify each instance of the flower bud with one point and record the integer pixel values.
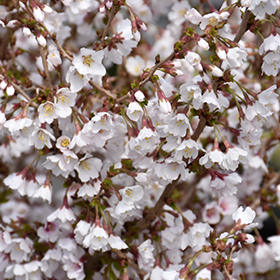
(26, 31)
(139, 95)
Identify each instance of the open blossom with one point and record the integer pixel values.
(187, 149)
(135, 65)
(41, 137)
(130, 197)
(193, 16)
(96, 239)
(178, 10)
(123, 48)
(64, 213)
(89, 62)
(88, 167)
(244, 217)
(235, 57)
(47, 112)
(196, 236)
(77, 81)
(212, 157)
(20, 126)
(146, 258)
(261, 7)
(178, 125)
(134, 111)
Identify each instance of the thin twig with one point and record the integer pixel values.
(243, 26)
(104, 34)
(199, 129)
(46, 67)
(121, 255)
(23, 93)
(102, 90)
(154, 212)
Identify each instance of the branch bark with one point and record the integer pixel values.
(243, 26)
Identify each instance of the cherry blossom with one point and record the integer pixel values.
(138, 139)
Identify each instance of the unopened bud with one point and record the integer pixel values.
(26, 31)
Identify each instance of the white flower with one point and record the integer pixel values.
(212, 157)
(135, 65)
(37, 12)
(41, 137)
(54, 56)
(187, 149)
(64, 99)
(270, 43)
(73, 267)
(62, 143)
(235, 58)
(54, 164)
(116, 242)
(194, 60)
(147, 140)
(89, 62)
(134, 111)
(88, 191)
(260, 7)
(41, 40)
(139, 95)
(210, 19)
(26, 31)
(264, 258)
(164, 106)
(225, 184)
(193, 16)
(130, 197)
(20, 126)
(178, 125)
(50, 232)
(232, 158)
(77, 81)
(245, 217)
(124, 47)
(81, 230)
(196, 236)
(10, 90)
(146, 258)
(271, 63)
(63, 213)
(178, 11)
(88, 167)
(45, 192)
(190, 92)
(216, 71)
(170, 169)
(47, 112)
(96, 239)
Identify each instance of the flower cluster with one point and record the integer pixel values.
(137, 139)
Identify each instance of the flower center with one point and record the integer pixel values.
(87, 60)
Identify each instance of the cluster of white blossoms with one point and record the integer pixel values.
(137, 138)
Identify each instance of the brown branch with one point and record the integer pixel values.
(102, 90)
(121, 255)
(154, 212)
(104, 34)
(46, 67)
(199, 129)
(243, 26)
(22, 92)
